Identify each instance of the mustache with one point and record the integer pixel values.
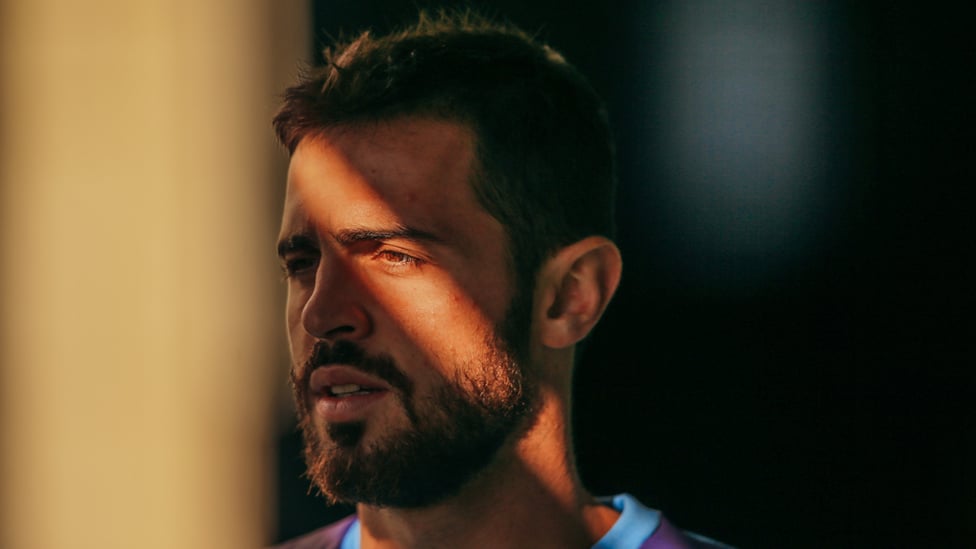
(348, 353)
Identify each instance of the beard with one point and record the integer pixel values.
(453, 434)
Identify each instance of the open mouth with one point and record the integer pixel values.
(343, 381)
(348, 389)
(343, 393)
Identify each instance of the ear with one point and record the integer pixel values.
(575, 286)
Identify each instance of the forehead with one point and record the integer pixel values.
(409, 171)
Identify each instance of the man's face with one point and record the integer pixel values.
(405, 328)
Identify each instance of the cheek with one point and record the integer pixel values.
(442, 319)
(293, 324)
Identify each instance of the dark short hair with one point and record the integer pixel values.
(544, 149)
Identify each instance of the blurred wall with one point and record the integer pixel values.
(138, 209)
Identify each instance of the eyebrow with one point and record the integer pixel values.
(353, 236)
(303, 243)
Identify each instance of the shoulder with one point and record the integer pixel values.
(327, 537)
(641, 527)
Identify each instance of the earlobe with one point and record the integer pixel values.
(578, 284)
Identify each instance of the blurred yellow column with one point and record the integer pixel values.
(139, 330)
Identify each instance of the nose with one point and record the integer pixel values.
(336, 307)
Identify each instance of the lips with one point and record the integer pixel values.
(343, 380)
(343, 393)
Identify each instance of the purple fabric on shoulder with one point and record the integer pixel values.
(327, 537)
(666, 536)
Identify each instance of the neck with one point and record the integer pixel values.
(530, 496)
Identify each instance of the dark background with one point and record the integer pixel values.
(788, 362)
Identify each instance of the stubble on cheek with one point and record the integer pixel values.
(458, 427)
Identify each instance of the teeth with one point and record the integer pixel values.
(345, 389)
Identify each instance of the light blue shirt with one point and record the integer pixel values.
(636, 524)
(351, 539)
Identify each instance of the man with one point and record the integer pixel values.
(446, 240)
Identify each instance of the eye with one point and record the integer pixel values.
(297, 265)
(396, 259)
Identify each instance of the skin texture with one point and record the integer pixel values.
(386, 247)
